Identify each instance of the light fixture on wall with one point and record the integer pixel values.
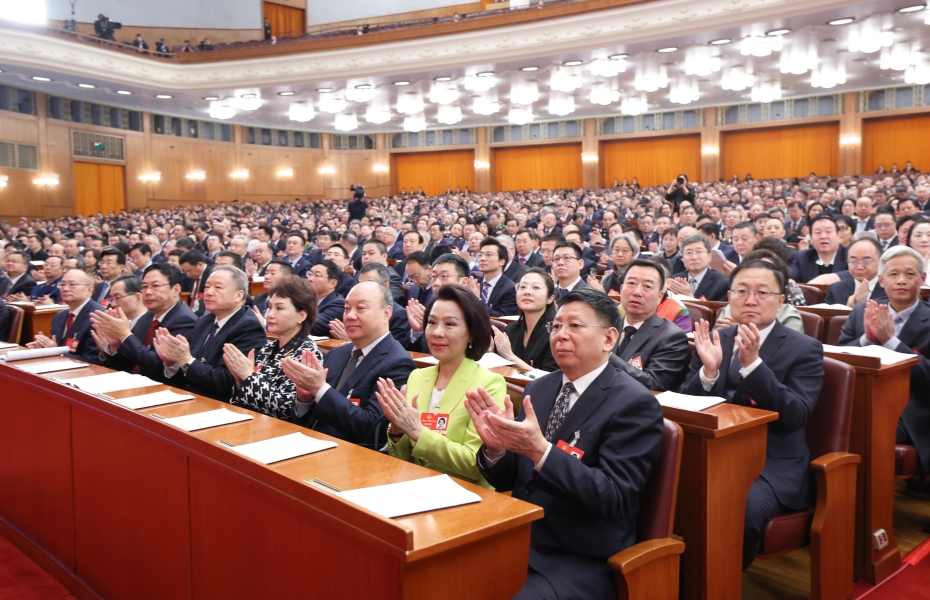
(589, 157)
(379, 168)
(709, 150)
(198, 175)
(327, 170)
(48, 180)
(482, 164)
(152, 177)
(239, 174)
(4, 179)
(286, 172)
(850, 140)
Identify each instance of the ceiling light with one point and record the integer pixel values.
(828, 74)
(249, 102)
(301, 112)
(618, 56)
(760, 46)
(700, 62)
(477, 83)
(415, 123)
(221, 110)
(524, 92)
(900, 56)
(360, 93)
(565, 79)
(775, 32)
(208, 97)
(529, 69)
(240, 174)
(918, 74)
(410, 103)
(401, 83)
(486, 105)
(286, 93)
(124, 93)
(25, 12)
(486, 74)
(634, 106)
(871, 35)
(324, 90)
(449, 115)
(667, 50)
(346, 122)
(444, 78)
(561, 104)
(520, 115)
(650, 75)
(87, 86)
(603, 94)
(163, 96)
(37, 78)
(766, 92)
(737, 79)
(443, 93)
(332, 103)
(573, 63)
(843, 21)
(199, 175)
(249, 96)
(363, 86)
(910, 9)
(377, 114)
(608, 68)
(720, 42)
(684, 91)
(798, 59)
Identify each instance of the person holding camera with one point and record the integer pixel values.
(104, 27)
(679, 191)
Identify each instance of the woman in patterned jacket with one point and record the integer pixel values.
(260, 382)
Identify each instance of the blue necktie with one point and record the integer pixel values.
(733, 373)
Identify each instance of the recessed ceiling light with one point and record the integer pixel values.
(37, 78)
(529, 69)
(163, 96)
(827, 40)
(667, 50)
(861, 59)
(87, 86)
(486, 74)
(618, 56)
(211, 98)
(249, 96)
(324, 90)
(124, 92)
(364, 86)
(778, 32)
(285, 93)
(401, 83)
(843, 21)
(444, 78)
(573, 63)
(909, 9)
(721, 42)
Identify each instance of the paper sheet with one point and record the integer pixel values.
(831, 306)
(532, 374)
(109, 382)
(34, 353)
(682, 297)
(686, 402)
(491, 360)
(55, 307)
(411, 497)
(210, 418)
(318, 338)
(426, 360)
(258, 278)
(5, 345)
(150, 400)
(886, 356)
(507, 318)
(50, 366)
(282, 448)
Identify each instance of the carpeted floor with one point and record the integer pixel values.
(911, 581)
(22, 579)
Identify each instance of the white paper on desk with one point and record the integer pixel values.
(116, 381)
(690, 335)
(686, 402)
(5, 345)
(34, 353)
(831, 306)
(491, 360)
(683, 297)
(886, 356)
(507, 318)
(318, 338)
(46, 307)
(411, 497)
(283, 448)
(210, 418)
(150, 400)
(258, 279)
(50, 366)
(427, 360)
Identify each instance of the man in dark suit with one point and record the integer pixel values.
(194, 265)
(903, 325)
(357, 207)
(712, 232)
(497, 293)
(514, 270)
(324, 241)
(141, 257)
(295, 254)
(49, 288)
(196, 362)
(886, 227)
(374, 251)
(274, 271)
(72, 327)
(698, 280)
(412, 242)
(338, 255)
(527, 242)
(16, 265)
(862, 257)
(567, 262)
(419, 274)
(651, 350)
(399, 325)
(341, 402)
(762, 363)
(111, 264)
(324, 277)
(826, 255)
(582, 448)
(130, 346)
(864, 219)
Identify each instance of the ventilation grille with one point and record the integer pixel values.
(84, 145)
(23, 156)
(7, 154)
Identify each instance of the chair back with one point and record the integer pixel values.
(516, 397)
(812, 295)
(16, 324)
(657, 502)
(828, 427)
(813, 325)
(698, 312)
(498, 324)
(835, 328)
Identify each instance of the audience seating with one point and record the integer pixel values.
(906, 461)
(834, 328)
(16, 324)
(498, 324)
(650, 568)
(812, 295)
(813, 325)
(699, 312)
(829, 527)
(516, 396)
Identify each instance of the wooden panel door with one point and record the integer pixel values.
(98, 188)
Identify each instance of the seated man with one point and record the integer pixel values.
(72, 327)
(583, 447)
(419, 274)
(760, 362)
(48, 292)
(16, 265)
(862, 258)
(903, 325)
(399, 324)
(698, 280)
(338, 397)
(324, 277)
(374, 251)
(825, 255)
(497, 293)
(652, 350)
(567, 262)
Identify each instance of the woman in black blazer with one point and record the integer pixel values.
(526, 341)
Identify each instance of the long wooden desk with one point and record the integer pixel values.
(118, 504)
(256, 287)
(35, 321)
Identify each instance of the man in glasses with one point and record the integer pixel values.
(760, 362)
(862, 259)
(497, 293)
(16, 265)
(583, 447)
(72, 327)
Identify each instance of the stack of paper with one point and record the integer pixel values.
(831, 306)
(45, 307)
(34, 353)
(491, 360)
(50, 366)
(210, 418)
(682, 297)
(410, 497)
(318, 338)
(507, 318)
(282, 448)
(686, 402)
(109, 382)
(886, 356)
(150, 400)
(5, 345)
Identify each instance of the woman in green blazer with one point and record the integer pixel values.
(433, 429)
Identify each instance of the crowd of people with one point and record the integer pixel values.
(593, 281)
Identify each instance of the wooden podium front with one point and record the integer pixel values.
(35, 321)
(115, 503)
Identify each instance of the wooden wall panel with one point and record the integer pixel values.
(176, 157)
(782, 151)
(653, 161)
(264, 162)
(135, 166)
(538, 167)
(436, 171)
(285, 20)
(896, 140)
(352, 167)
(59, 199)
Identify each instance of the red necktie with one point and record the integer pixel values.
(522, 261)
(69, 324)
(151, 332)
(193, 297)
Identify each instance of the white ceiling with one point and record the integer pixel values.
(831, 42)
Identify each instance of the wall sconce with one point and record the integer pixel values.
(4, 179)
(197, 175)
(850, 140)
(482, 164)
(710, 150)
(589, 157)
(327, 170)
(153, 177)
(286, 172)
(240, 174)
(380, 169)
(49, 180)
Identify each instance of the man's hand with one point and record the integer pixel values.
(595, 284)
(112, 323)
(523, 437)
(337, 330)
(172, 350)
(307, 373)
(748, 342)
(862, 294)
(479, 404)
(415, 314)
(46, 299)
(728, 267)
(43, 342)
(881, 324)
(472, 285)
(680, 285)
(707, 345)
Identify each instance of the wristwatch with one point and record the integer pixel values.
(187, 365)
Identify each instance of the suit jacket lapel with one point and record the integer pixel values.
(767, 352)
(727, 342)
(646, 330)
(142, 325)
(455, 391)
(336, 363)
(916, 324)
(585, 405)
(369, 363)
(222, 334)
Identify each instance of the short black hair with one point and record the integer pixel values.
(823, 217)
(710, 229)
(332, 271)
(382, 249)
(184, 243)
(871, 241)
(501, 251)
(171, 272)
(414, 231)
(192, 257)
(341, 249)
(649, 264)
(132, 283)
(383, 271)
(143, 248)
(760, 264)
(455, 260)
(419, 258)
(746, 225)
(532, 233)
(303, 240)
(476, 317)
(237, 260)
(574, 248)
(286, 266)
(604, 307)
(111, 251)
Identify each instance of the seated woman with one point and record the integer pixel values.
(429, 423)
(918, 238)
(526, 341)
(623, 249)
(788, 316)
(260, 382)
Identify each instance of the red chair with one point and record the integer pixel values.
(698, 312)
(813, 325)
(649, 569)
(812, 295)
(834, 329)
(498, 324)
(829, 527)
(16, 324)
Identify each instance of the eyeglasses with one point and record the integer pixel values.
(573, 328)
(762, 295)
(564, 258)
(489, 255)
(855, 263)
(526, 286)
(843, 228)
(67, 284)
(153, 286)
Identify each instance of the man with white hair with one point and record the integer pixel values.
(513, 269)
(394, 246)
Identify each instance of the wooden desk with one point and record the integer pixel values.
(924, 290)
(35, 321)
(326, 345)
(880, 395)
(116, 503)
(256, 288)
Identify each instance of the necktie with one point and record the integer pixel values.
(694, 285)
(628, 332)
(68, 324)
(557, 416)
(350, 368)
(151, 332)
(522, 261)
(193, 299)
(104, 292)
(206, 342)
(733, 375)
(485, 288)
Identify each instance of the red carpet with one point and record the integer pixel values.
(22, 579)
(911, 581)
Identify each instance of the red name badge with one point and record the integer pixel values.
(257, 368)
(356, 401)
(703, 297)
(72, 344)
(637, 361)
(569, 449)
(438, 422)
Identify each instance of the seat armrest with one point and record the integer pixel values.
(833, 526)
(648, 570)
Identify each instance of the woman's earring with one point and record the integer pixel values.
(470, 346)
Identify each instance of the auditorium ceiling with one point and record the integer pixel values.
(665, 55)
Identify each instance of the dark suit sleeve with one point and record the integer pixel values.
(664, 366)
(397, 289)
(333, 310)
(88, 351)
(830, 297)
(400, 326)
(851, 334)
(692, 385)
(4, 322)
(794, 272)
(506, 304)
(249, 335)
